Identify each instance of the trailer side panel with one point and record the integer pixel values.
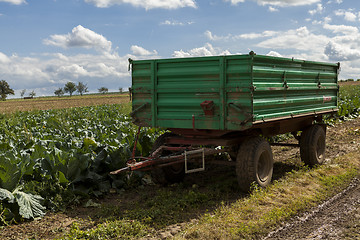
(229, 93)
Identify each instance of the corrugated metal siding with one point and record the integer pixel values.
(244, 89)
(285, 87)
(141, 92)
(238, 92)
(181, 86)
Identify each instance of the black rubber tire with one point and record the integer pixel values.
(254, 163)
(170, 174)
(312, 145)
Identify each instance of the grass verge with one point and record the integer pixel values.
(118, 229)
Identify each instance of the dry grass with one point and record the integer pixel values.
(46, 103)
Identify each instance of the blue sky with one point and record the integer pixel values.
(46, 43)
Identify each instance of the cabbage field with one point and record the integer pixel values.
(52, 158)
(349, 102)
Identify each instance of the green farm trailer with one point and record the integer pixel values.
(231, 104)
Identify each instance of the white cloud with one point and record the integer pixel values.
(299, 39)
(147, 4)
(351, 68)
(234, 2)
(140, 51)
(175, 23)
(345, 45)
(4, 58)
(256, 35)
(16, 2)
(327, 19)
(316, 22)
(46, 72)
(274, 54)
(80, 37)
(335, 1)
(272, 9)
(73, 70)
(339, 43)
(21, 72)
(49, 71)
(207, 50)
(341, 52)
(350, 30)
(319, 9)
(348, 15)
(287, 3)
(214, 37)
(278, 3)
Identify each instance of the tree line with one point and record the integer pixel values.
(81, 88)
(69, 87)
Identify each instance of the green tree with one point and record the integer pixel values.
(82, 88)
(120, 89)
(59, 92)
(103, 90)
(70, 87)
(5, 90)
(22, 92)
(32, 94)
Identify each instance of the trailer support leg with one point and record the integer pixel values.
(135, 144)
(196, 169)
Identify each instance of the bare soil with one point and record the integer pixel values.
(352, 83)
(337, 218)
(46, 103)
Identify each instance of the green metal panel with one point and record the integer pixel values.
(243, 88)
(141, 92)
(288, 87)
(239, 92)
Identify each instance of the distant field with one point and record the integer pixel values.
(45, 103)
(349, 83)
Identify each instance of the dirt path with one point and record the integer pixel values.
(337, 218)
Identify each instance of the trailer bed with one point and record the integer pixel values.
(230, 93)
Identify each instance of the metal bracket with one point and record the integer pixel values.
(318, 81)
(203, 161)
(132, 114)
(285, 85)
(130, 62)
(242, 111)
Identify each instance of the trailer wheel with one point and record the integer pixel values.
(312, 145)
(170, 174)
(254, 163)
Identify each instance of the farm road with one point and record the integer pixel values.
(337, 218)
